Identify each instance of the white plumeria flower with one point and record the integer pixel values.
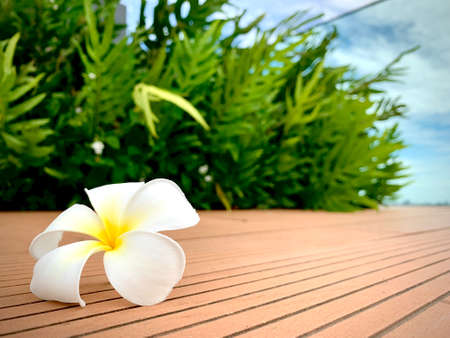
(92, 76)
(208, 178)
(98, 147)
(141, 264)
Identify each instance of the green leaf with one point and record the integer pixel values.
(112, 141)
(9, 53)
(55, 173)
(222, 197)
(178, 101)
(22, 90)
(24, 107)
(41, 151)
(13, 142)
(107, 34)
(91, 23)
(29, 124)
(143, 93)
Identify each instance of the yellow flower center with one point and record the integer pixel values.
(111, 235)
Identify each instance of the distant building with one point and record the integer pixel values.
(121, 18)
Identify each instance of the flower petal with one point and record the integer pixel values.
(78, 218)
(145, 266)
(159, 205)
(109, 202)
(56, 275)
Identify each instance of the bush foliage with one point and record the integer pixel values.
(273, 126)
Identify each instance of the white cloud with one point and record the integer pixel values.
(382, 32)
(423, 87)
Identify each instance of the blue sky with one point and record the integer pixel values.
(369, 40)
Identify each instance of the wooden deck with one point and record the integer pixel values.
(258, 274)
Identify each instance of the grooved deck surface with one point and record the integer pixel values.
(258, 274)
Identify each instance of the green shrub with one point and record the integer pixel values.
(21, 136)
(272, 127)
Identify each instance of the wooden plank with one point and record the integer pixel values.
(226, 300)
(364, 313)
(428, 321)
(380, 317)
(233, 315)
(390, 244)
(304, 269)
(260, 273)
(277, 266)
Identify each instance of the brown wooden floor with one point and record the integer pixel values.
(258, 274)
